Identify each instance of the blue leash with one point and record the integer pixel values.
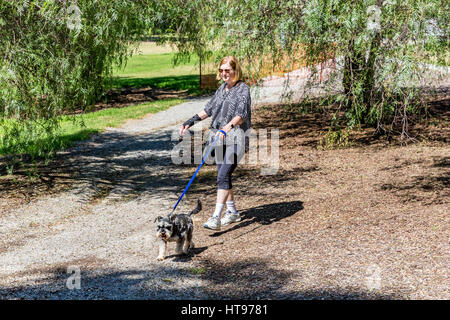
(203, 161)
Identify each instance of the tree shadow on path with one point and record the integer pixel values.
(265, 215)
(245, 279)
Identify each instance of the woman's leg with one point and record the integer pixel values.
(230, 195)
(231, 156)
(231, 215)
(224, 172)
(231, 206)
(223, 195)
(224, 188)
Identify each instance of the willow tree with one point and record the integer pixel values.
(384, 47)
(58, 56)
(187, 25)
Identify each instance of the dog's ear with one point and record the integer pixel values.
(158, 219)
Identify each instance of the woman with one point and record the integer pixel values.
(230, 112)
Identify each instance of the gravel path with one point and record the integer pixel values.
(103, 227)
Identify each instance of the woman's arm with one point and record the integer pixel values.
(184, 127)
(235, 122)
(203, 115)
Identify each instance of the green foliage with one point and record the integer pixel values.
(335, 138)
(58, 56)
(187, 24)
(34, 140)
(35, 137)
(381, 44)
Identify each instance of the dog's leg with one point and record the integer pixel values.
(188, 244)
(162, 250)
(179, 245)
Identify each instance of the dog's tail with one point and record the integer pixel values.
(196, 210)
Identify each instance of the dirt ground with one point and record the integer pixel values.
(120, 98)
(368, 221)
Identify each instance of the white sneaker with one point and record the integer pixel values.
(230, 217)
(213, 223)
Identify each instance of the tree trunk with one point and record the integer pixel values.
(361, 71)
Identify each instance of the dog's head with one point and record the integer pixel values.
(164, 227)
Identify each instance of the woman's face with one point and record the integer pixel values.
(227, 73)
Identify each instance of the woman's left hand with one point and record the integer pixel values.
(226, 128)
(220, 133)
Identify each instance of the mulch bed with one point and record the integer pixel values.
(119, 98)
(364, 222)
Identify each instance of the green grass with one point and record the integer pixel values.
(157, 70)
(76, 128)
(198, 270)
(188, 83)
(156, 65)
(152, 68)
(114, 117)
(437, 55)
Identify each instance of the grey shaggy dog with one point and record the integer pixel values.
(176, 227)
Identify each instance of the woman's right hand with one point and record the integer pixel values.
(183, 129)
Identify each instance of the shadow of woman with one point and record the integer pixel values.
(264, 215)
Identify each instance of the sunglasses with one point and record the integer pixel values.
(226, 70)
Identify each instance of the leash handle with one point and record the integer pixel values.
(203, 161)
(224, 133)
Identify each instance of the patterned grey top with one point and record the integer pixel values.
(225, 105)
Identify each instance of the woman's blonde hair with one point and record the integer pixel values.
(234, 64)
